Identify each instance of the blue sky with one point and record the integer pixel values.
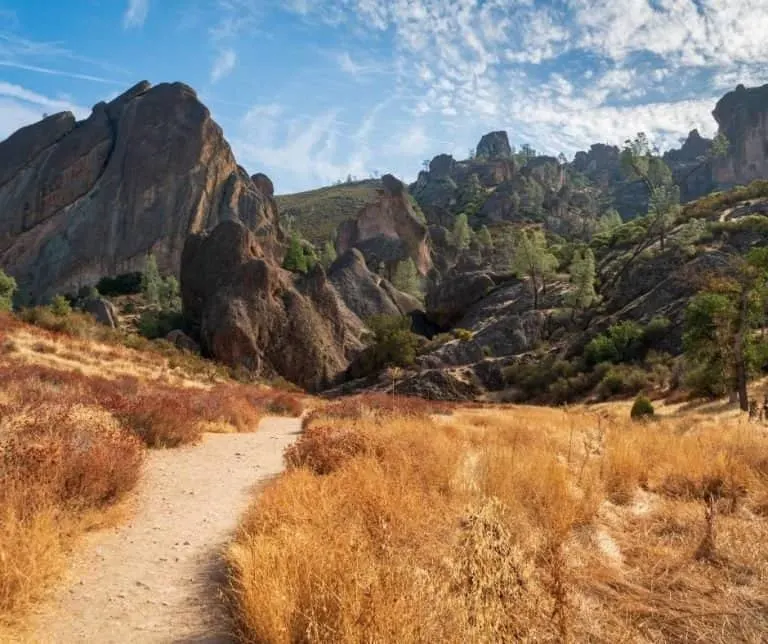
(310, 91)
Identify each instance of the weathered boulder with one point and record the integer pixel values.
(365, 293)
(182, 341)
(249, 312)
(442, 166)
(387, 231)
(451, 297)
(79, 201)
(494, 145)
(103, 311)
(441, 384)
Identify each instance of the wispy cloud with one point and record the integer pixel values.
(223, 65)
(20, 93)
(20, 106)
(59, 72)
(136, 13)
(358, 66)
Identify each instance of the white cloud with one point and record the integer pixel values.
(14, 115)
(58, 72)
(223, 65)
(9, 91)
(20, 106)
(462, 67)
(136, 13)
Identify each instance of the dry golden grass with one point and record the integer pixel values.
(515, 524)
(75, 418)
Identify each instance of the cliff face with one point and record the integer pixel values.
(81, 200)
(742, 116)
(248, 312)
(387, 230)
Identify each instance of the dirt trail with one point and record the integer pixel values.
(156, 577)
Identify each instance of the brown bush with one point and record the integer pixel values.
(60, 461)
(380, 405)
(515, 524)
(324, 449)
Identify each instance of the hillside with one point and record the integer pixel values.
(317, 214)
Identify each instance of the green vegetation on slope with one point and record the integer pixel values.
(316, 214)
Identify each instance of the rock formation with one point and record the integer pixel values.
(494, 145)
(387, 231)
(249, 312)
(365, 293)
(742, 116)
(449, 186)
(103, 311)
(83, 200)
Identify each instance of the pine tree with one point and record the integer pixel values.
(407, 278)
(152, 282)
(484, 238)
(328, 254)
(609, 220)
(462, 233)
(7, 290)
(720, 324)
(582, 270)
(532, 258)
(295, 260)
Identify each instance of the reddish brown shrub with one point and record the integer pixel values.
(160, 418)
(284, 404)
(324, 449)
(73, 456)
(356, 407)
(228, 404)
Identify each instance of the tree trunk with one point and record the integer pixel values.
(535, 289)
(738, 351)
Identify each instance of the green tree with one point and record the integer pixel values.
(295, 260)
(151, 281)
(392, 344)
(531, 258)
(720, 342)
(328, 254)
(7, 291)
(60, 306)
(170, 294)
(484, 238)
(609, 220)
(462, 233)
(582, 271)
(641, 161)
(407, 278)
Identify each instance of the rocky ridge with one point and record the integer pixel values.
(83, 200)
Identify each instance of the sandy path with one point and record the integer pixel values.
(156, 577)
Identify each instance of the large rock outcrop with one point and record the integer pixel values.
(449, 187)
(387, 231)
(365, 293)
(249, 312)
(82, 200)
(742, 116)
(494, 145)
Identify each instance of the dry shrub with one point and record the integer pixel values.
(60, 462)
(378, 405)
(374, 580)
(284, 404)
(493, 525)
(324, 449)
(160, 414)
